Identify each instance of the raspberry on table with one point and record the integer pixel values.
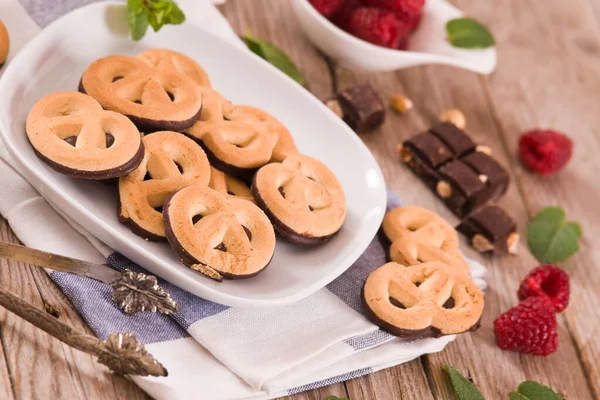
(377, 26)
(547, 281)
(545, 151)
(529, 327)
(327, 8)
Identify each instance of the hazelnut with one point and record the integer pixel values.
(405, 154)
(483, 149)
(481, 244)
(335, 106)
(207, 271)
(4, 43)
(400, 104)
(483, 178)
(513, 243)
(455, 117)
(443, 189)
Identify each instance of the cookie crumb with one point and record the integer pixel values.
(207, 271)
(455, 117)
(400, 104)
(335, 106)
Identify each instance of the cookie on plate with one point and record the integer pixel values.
(424, 300)
(71, 133)
(303, 199)
(152, 98)
(239, 139)
(172, 162)
(418, 235)
(4, 44)
(217, 236)
(229, 186)
(173, 61)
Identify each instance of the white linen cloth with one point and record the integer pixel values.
(211, 351)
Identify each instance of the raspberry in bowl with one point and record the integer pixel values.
(386, 35)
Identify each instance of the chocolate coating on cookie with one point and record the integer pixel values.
(71, 133)
(303, 199)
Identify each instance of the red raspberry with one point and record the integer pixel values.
(327, 8)
(529, 327)
(544, 151)
(342, 17)
(377, 26)
(405, 10)
(547, 281)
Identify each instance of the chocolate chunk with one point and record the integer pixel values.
(496, 176)
(429, 149)
(458, 141)
(490, 230)
(465, 185)
(362, 107)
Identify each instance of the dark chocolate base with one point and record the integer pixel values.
(138, 230)
(150, 125)
(186, 258)
(284, 230)
(111, 173)
(408, 333)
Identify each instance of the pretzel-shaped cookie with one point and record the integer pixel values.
(4, 43)
(71, 133)
(422, 300)
(153, 99)
(302, 197)
(172, 61)
(172, 162)
(419, 235)
(220, 237)
(229, 186)
(239, 139)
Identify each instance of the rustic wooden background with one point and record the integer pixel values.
(548, 75)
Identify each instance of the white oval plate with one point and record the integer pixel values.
(55, 60)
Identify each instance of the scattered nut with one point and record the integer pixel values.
(481, 244)
(400, 104)
(455, 117)
(405, 154)
(335, 106)
(207, 271)
(4, 43)
(513, 243)
(444, 189)
(483, 149)
(483, 178)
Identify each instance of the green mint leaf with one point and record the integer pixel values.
(467, 33)
(531, 390)
(175, 15)
(138, 21)
(335, 398)
(274, 56)
(551, 237)
(136, 5)
(463, 388)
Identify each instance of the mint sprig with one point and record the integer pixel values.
(463, 387)
(467, 33)
(551, 238)
(335, 398)
(274, 56)
(531, 390)
(154, 13)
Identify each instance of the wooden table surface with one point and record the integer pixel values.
(548, 75)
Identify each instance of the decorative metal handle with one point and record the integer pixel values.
(122, 353)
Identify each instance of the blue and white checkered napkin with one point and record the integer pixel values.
(210, 350)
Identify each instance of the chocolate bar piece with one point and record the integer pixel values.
(362, 107)
(490, 230)
(447, 161)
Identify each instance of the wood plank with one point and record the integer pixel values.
(41, 366)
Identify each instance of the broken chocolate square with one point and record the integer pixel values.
(362, 107)
(490, 230)
(450, 163)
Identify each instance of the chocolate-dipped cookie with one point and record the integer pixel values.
(154, 99)
(424, 300)
(219, 237)
(172, 162)
(71, 133)
(303, 199)
(4, 44)
(172, 61)
(229, 186)
(239, 139)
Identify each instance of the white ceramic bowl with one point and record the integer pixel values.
(427, 45)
